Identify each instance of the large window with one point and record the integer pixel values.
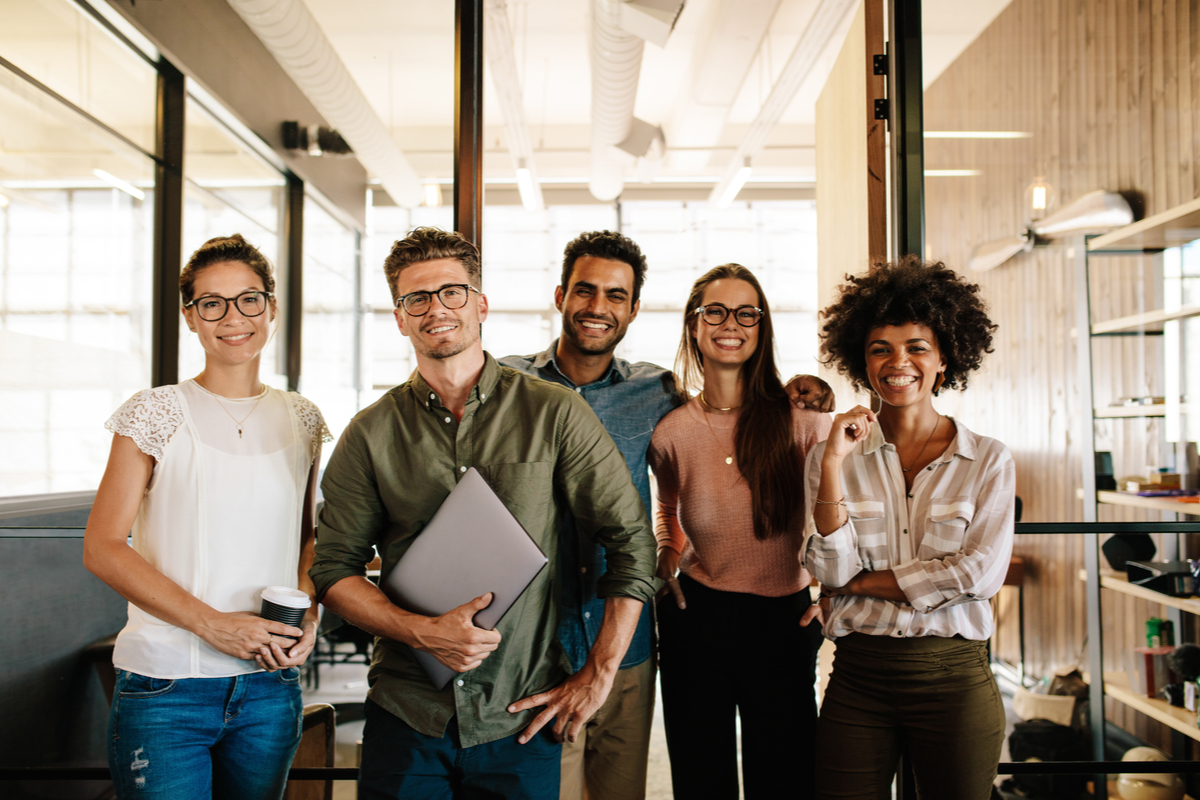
(76, 231)
(523, 263)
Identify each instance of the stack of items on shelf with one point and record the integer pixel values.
(1160, 483)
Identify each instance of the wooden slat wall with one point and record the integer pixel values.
(1108, 89)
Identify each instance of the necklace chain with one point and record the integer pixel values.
(236, 421)
(728, 458)
(913, 463)
(704, 400)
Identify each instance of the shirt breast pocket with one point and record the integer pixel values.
(869, 522)
(949, 519)
(527, 491)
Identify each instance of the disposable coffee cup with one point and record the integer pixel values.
(281, 604)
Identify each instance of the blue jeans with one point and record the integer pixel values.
(194, 738)
(399, 763)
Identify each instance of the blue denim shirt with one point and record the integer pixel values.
(629, 399)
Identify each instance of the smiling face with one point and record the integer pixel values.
(442, 332)
(903, 362)
(727, 343)
(597, 305)
(235, 338)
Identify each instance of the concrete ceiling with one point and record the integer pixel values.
(401, 53)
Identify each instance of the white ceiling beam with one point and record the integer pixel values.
(293, 36)
(829, 17)
(616, 58)
(498, 45)
(729, 42)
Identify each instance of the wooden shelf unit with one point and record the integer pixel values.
(1127, 412)
(1119, 583)
(1116, 685)
(1146, 319)
(1150, 503)
(1172, 228)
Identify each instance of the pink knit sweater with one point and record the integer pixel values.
(704, 504)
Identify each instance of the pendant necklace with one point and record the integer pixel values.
(728, 458)
(913, 463)
(236, 421)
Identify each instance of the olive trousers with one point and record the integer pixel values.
(930, 699)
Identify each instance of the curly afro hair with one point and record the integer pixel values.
(903, 292)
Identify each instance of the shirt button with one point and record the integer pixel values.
(906, 530)
(583, 570)
(483, 397)
(448, 419)
(909, 497)
(930, 468)
(460, 683)
(432, 396)
(579, 390)
(462, 469)
(587, 615)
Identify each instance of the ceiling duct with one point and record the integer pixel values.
(616, 65)
(825, 22)
(652, 20)
(288, 30)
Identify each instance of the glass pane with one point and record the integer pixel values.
(75, 290)
(228, 190)
(64, 48)
(329, 360)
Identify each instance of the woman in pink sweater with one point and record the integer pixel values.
(729, 469)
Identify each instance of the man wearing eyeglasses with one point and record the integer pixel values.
(599, 297)
(544, 452)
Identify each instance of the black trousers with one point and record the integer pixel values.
(729, 653)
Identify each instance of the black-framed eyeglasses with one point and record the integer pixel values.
(715, 314)
(213, 309)
(452, 296)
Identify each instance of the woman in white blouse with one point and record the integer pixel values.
(216, 478)
(914, 526)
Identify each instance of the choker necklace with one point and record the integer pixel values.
(913, 463)
(236, 421)
(715, 408)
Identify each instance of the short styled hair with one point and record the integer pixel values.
(431, 244)
(218, 250)
(605, 244)
(905, 292)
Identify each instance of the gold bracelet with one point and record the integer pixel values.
(821, 502)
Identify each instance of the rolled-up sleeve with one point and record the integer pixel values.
(977, 571)
(352, 517)
(592, 476)
(832, 559)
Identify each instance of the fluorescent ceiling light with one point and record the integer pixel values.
(977, 134)
(525, 187)
(735, 185)
(952, 173)
(117, 183)
(433, 194)
(3, 200)
(709, 180)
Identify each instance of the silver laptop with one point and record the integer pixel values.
(472, 546)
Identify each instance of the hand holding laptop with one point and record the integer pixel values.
(453, 639)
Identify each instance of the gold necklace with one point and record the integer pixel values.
(236, 421)
(715, 408)
(728, 458)
(913, 463)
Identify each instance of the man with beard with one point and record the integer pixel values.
(602, 277)
(547, 456)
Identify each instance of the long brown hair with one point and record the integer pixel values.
(763, 440)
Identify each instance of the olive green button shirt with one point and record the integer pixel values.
(544, 452)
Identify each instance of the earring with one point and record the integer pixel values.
(937, 384)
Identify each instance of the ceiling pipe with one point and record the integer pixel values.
(616, 58)
(507, 82)
(829, 16)
(289, 31)
(731, 39)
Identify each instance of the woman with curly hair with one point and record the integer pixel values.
(728, 465)
(914, 526)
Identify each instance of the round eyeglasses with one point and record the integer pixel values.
(213, 309)
(715, 314)
(452, 296)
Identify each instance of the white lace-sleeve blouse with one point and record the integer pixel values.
(221, 515)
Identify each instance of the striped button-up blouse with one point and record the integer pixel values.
(948, 540)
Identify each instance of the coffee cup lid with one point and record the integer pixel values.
(283, 596)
